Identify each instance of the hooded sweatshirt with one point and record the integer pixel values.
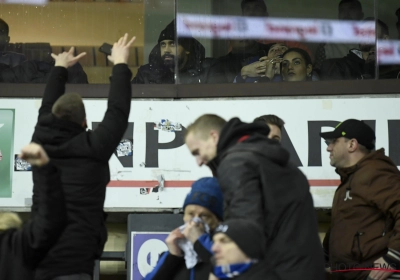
(259, 183)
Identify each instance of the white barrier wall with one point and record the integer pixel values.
(148, 152)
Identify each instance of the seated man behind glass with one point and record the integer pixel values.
(359, 64)
(189, 55)
(7, 58)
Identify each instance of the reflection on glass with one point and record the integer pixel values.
(38, 30)
(225, 41)
(337, 37)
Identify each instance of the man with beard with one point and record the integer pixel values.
(359, 64)
(189, 55)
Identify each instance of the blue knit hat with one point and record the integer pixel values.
(206, 192)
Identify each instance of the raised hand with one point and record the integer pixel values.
(34, 154)
(272, 66)
(120, 50)
(67, 59)
(193, 231)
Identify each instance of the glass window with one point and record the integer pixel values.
(249, 41)
(213, 42)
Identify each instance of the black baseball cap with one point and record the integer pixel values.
(350, 129)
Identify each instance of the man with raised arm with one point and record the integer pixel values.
(83, 157)
(23, 247)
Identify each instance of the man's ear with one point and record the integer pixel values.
(84, 124)
(214, 136)
(352, 145)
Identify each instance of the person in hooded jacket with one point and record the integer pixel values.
(204, 202)
(23, 248)
(365, 222)
(83, 158)
(189, 56)
(260, 184)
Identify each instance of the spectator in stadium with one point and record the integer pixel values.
(189, 55)
(297, 66)
(7, 58)
(275, 125)
(242, 53)
(359, 63)
(83, 157)
(267, 67)
(14, 68)
(238, 251)
(259, 184)
(203, 210)
(347, 10)
(254, 8)
(366, 209)
(23, 247)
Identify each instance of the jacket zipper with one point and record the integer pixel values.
(358, 234)
(384, 229)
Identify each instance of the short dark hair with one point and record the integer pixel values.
(355, 2)
(384, 26)
(204, 124)
(4, 29)
(70, 107)
(271, 119)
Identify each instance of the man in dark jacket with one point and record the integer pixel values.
(21, 250)
(366, 210)
(204, 202)
(359, 64)
(8, 58)
(226, 68)
(83, 157)
(238, 250)
(260, 184)
(189, 56)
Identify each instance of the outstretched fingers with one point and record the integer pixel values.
(79, 56)
(124, 39)
(131, 41)
(71, 51)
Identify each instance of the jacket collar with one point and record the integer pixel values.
(347, 171)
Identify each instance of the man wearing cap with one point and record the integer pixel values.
(238, 250)
(189, 246)
(165, 58)
(365, 222)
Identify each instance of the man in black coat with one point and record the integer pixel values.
(22, 249)
(189, 55)
(260, 184)
(83, 157)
